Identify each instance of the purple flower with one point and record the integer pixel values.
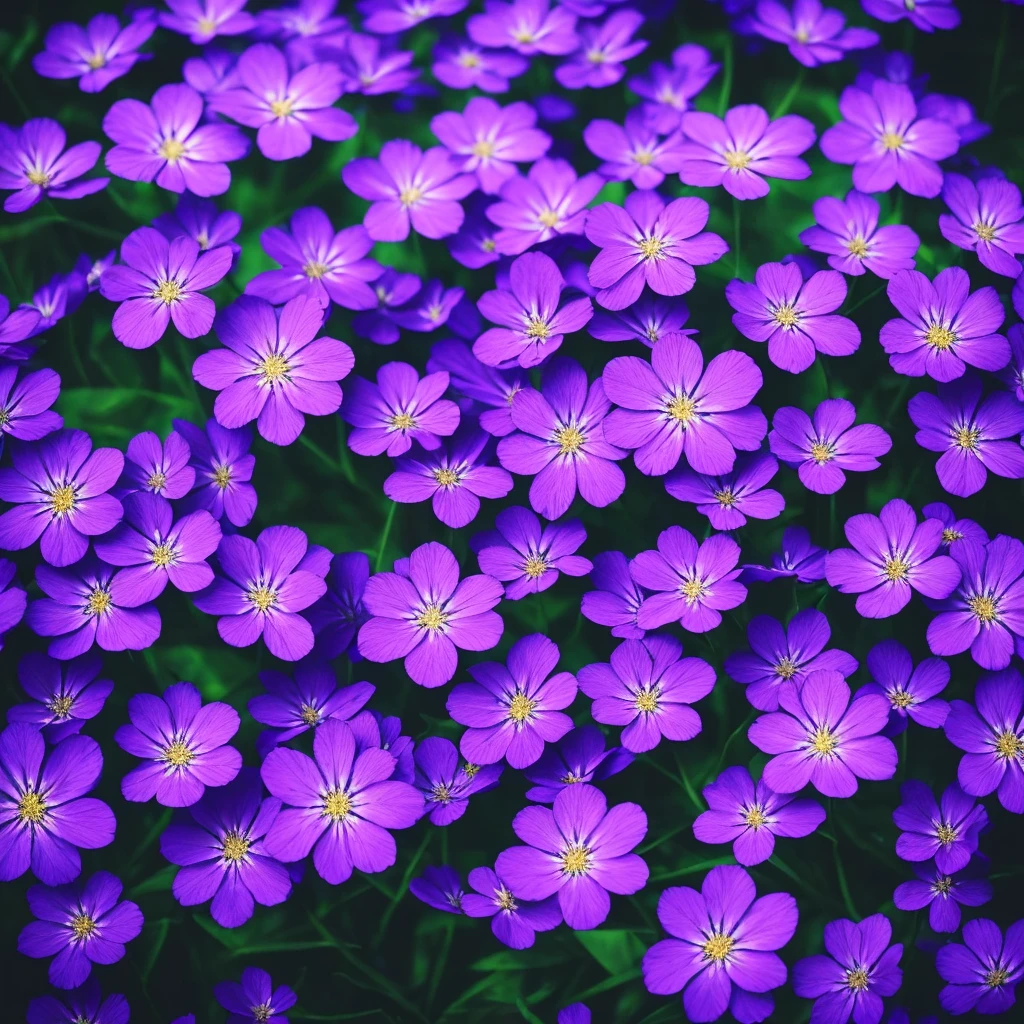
(265, 584)
(15, 327)
(454, 477)
(97, 54)
(649, 243)
(372, 66)
(617, 597)
(955, 529)
(576, 1013)
(386, 17)
(223, 468)
(526, 26)
(400, 408)
(25, 411)
(183, 743)
(943, 893)
(85, 605)
(560, 442)
(779, 655)
(337, 616)
(648, 687)
(512, 712)
(740, 151)
(751, 817)
(548, 202)
(797, 557)
(486, 385)
(648, 320)
(63, 697)
(578, 757)
(602, 50)
(692, 584)
(860, 968)
(409, 189)
(943, 326)
(532, 324)
(45, 816)
(911, 692)
(820, 738)
(887, 141)
(83, 923)
(156, 467)
(59, 489)
(794, 316)
(814, 34)
(391, 290)
(490, 140)
(473, 245)
(254, 999)
(446, 787)
(460, 64)
(514, 922)
(221, 852)
(440, 888)
(164, 142)
(847, 229)
(527, 557)
(203, 20)
(948, 831)
(722, 948)
(59, 297)
(580, 850)
(993, 738)
(425, 613)
(891, 556)
(824, 449)
(973, 434)
(339, 805)
(83, 1003)
(985, 217)
(668, 90)
(983, 973)
(157, 550)
(202, 222)
(926, 15)
(673, 406)
(633, 153)
(160, 281)
(727, 500)
(211, 73)
(433, 307)
(34, 165)
(272, 370)
(288, 109)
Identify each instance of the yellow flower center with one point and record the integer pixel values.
(96, 61)
(488, 245)
(718, 947)
(261, 1013)
(755, 817)
(943, 886)
(62, 500)
(402, 421)
(483, 148)
(786, 668)
(891, 141)
(314, 270)
(736, 159)
(985, 232)
(651, 248)
(570, 440)
(446, 477)
(535, 566)
(432, 618)
(506, 900)
(337, 805)
(203, 240)
(31, 808)
(40, 178)
(1009, 746)
(207, 25)
(596, 56)
(900, 699)
(60, 707)
(949, 535)
(441, 794)
(273, 368)
(692, 590)
(162, 555)
(157, 482)
(520, 707)
(469, 770)
(857, 980)
(309, 714)
(857, 247)
(983, 606)
(571, 779)
(262, 597)
(725, 498)
(996, 977)
(966, 438)
(167, 292)
(172, 150)
(82, 925)
(548, 218)
(409, 196)
(939, 337)
(537, 328)
(281, 108)
(822, 452)
(946, 834)
(178, 754)
(823, 742)
(235, 846)
(896, 569)
(469, 60)
(786, 316)
(802, 35)
(643, 157)
(646, 700)
(99, 601)
(576, 859)
(222, 476)
(682, 408)
(523, 35)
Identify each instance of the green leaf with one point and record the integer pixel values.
(616, 951)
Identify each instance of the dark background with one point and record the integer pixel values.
(367, 950)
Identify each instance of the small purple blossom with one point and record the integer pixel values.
(985, 217)
(64, 696)
(337, 616)
(440, 888)
(602, 51)
(514, 922)
(798, 557)
(446, 787)
(461, 64)
(727, 500)
(617, 597)
(983, 972)
(912, 691)
(25, 401)
(203, 20)
(15, 326)
(223, 468)
(633, 152)
(83, 1003)
(579, 756)
(157, 467)
(814, 34)
(943, 893)
(955, 529)
(667, 90)
(925, 15)
(526, 26)
(433, 307)
(200, 219)
(255, 996)
(372, 66)
(946, 831)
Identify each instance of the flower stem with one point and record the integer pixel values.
(736, 231)
(384, 536)
(723, 96)
(787, 100)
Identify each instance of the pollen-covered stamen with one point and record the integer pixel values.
(537, 327)
(725, 498)
(172, 150)
(263, 597)
(786, 315)
(206, 25)
(939, 337)
(432, 618)
(857, 979)
(261, 1014)
(157, 481)
(410, 196)
(891, 141)
(535, 566)
(446, 477)
(402, 421)
(785, 667)
(272, 368)
(985, 607)
(985, 232)
(1009, 746)
(63, 499)
(468, 59)
(681, 408)
(167, 292)
(997, 976)
(522, 34)
(802, 35)
(162, 555)
(470, 770)
(736, 159)
(651, 248)
(596, 56)
(40, 178)
(693, 590)
(178, 754)
(900, 699)
(98, 602)
(337, 805)
(823, 741)
(576, 859)
(942, 886)
(31, 808)
(60, 706)
(570, 440)
(82, 926)
(718, 947)
(646, 699)
(314, 270)
(949, 535)
(857, 246)
(96, 60)
(235, 846)
(454, 899)
(822, 452)
(483, 148)
(505, 899)
(521, 707)
(222, 476)
(946, 834)
(755, 817)
(895, 568)
(441, 794)
(966, 438)
(548, 218)
(309, 715)
(282, 108)
(570, 779)
(643, 157)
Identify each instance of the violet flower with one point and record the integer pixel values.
(526, 26)
(579, 756)
(514, 922)
(440, 888)
(15, 326)
(727, 500)
(797, 557)
(984, 971)
(200, 219)
(925, 15)
(633, 152)
(203, 20)
(386, 17)
(985, 217)
(667, 90)
(432, 307)
(461, 64)
(337, 616)
(446, 787)
(943, 894)
(814, 34)
(602, 51)
(155, 467)
(947, 832)
(372, 66)
(25, 412)
(617, 597)
(254, 997)
(955, 529)
(223, 468)
(648, 320)
(911, 692)
(64, 696)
